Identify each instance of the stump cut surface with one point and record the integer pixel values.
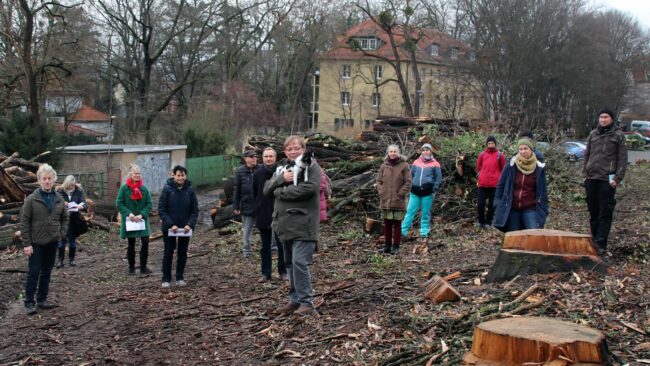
(550, 241)
(513, 341)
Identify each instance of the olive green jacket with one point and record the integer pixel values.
(38, 226)
(126, 206)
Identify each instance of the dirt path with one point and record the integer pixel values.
(371, 308)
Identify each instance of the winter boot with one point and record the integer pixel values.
(59, 264)
(394, 249)
(71, 253)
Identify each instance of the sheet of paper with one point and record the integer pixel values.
(73, 207)
(179, 232)
(135, 226)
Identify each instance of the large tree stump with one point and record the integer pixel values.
(544, 251)
(515, 341)
(438, 290)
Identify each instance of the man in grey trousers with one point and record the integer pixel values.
(296, 221)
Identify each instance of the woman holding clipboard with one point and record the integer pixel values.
(134, 204)
(179, 209)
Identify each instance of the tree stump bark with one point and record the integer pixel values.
(515, 341)
(544, 251)
(438, 290)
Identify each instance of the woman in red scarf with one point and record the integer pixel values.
(134, 204)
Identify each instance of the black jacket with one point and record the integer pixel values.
(178, 206)
(75, 226)
(263, 204)
(243, 199)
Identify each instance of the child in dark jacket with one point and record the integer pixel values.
(178, 208)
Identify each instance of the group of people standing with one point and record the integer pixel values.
(512, 193)
(290, 211)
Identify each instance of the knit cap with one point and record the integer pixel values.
(526, 141)
(426, 146)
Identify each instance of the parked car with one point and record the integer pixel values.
(636, 141)
(574, 150)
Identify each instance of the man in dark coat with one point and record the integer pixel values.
(604, 169)
(243, 200)
(264, 216)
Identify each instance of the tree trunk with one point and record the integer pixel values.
(517, 341)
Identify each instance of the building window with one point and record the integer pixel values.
(367, 123)
(376, 99)
(368, 43)
(343, 123)
(378, 71)
(345, 98)
(346, 72)
(435, 50)
(453, 53)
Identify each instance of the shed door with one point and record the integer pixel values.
(155, 170)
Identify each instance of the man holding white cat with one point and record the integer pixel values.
(296, 222)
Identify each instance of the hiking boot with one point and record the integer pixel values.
(286, 309)
(166, 285)
(145, 271)
(45, 305)
(131, 270)
(386, 249)
(284, 277)
(181, 283)
(394, 250)
(60, 264)
(72, 263)
(30, 309)
(305, 310)
(263, 279)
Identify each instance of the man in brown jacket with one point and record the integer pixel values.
(603, 170)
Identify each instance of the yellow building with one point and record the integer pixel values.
(356, 82)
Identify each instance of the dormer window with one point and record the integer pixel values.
(368, 43)
(453, 53)
(435, 50)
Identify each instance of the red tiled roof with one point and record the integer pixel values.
(427, 37)
(88, 114)
(77, 130)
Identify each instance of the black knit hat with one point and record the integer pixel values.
(608, 111)
(491, 138)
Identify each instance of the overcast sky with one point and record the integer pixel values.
(638, 8)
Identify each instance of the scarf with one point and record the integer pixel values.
(526, 166)
(605, 129)
(136, 193)
(393, 161)
(425, 159)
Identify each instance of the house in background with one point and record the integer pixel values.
(352, 87)
(637, 98)
(91, 119)
(76, 131)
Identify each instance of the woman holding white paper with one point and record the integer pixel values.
(74, 202)
(134, 204)
(178, 208)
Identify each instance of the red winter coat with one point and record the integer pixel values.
(489, 165)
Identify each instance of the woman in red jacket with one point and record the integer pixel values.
(489, 165)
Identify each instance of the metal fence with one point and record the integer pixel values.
(93, 183)
(211, 170)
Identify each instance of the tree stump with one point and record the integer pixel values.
(538, 340)
(438, 290)
(544, 251)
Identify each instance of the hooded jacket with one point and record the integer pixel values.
(38, 224)
(393, 185)
(263, 203)
(606, 154)
(503, 198)
(489, 165)
(178, 205)
(296, 207)
(243, 199)
(427, 177)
